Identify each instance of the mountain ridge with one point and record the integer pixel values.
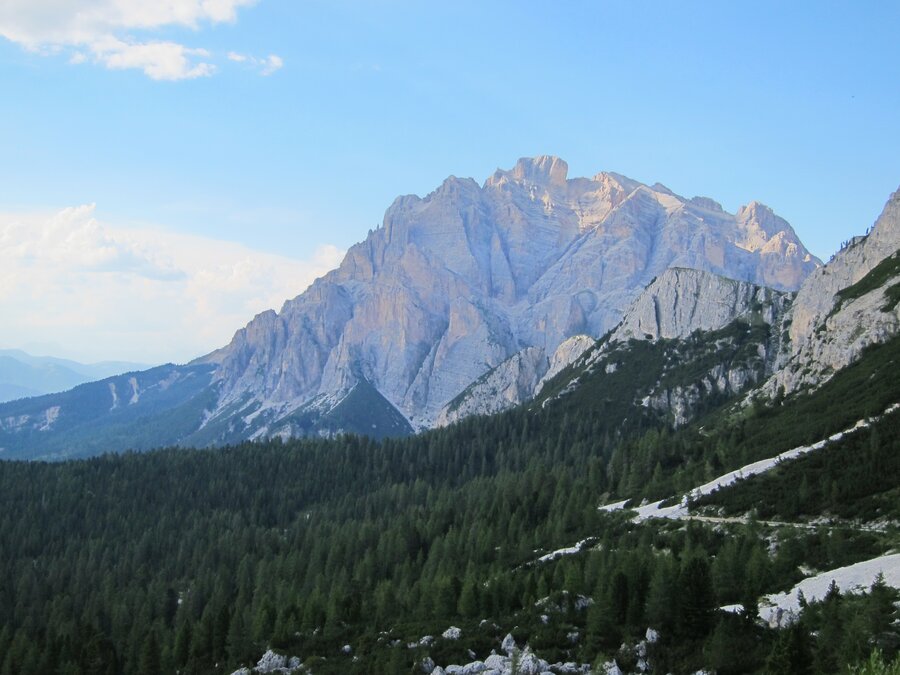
(470, 275)
(23, 375)
(527, 270)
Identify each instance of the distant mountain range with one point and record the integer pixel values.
(474, 298)
(23, 375)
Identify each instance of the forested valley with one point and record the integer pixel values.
(197, 561)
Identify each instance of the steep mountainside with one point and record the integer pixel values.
(675, 305)
(141, 410)
(845, 306)
(458, 282)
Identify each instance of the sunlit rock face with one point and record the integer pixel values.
(458, 282)
(681, 301)
(829, 323)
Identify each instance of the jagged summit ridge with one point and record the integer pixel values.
(459, 281)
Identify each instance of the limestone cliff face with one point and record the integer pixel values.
(456, 283)
(681, 301)
(686, 307)
(676, 304)
(503, 387)
(835, 316)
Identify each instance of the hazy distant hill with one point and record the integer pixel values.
(22, 374)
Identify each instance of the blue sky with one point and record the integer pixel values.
(335, 108)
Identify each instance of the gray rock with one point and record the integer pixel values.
(497, 662)
(452, 633)
(509, 644)
(271, 662)
(530, 664)
(826, 334)
(681, 301)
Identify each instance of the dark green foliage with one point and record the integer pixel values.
(697, 599)
(876, 665)
(857, 477)
(365, 411)
(840, 630)
(731, 437)
(170, 399)
(792, 654)
(178, 560)
(891, 298)
(886, 270)
(734, 646)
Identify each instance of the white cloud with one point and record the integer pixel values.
(105, 28)
(158, 60)
(149, 295)
(266, 66)
(271, 64)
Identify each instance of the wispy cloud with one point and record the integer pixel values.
(266, 66)
(148, 294)
(271, 64)
(103, 31)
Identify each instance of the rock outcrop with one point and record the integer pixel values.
(676, 304)
(503, 387)
(727, 332)
(844, 307)
(681, 301)
(459, 282)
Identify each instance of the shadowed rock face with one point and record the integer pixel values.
(458, 282)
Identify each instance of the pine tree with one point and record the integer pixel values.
(239, 646)
(182, 649)
(149, 663)
(791, 654)
(697, 600)
(468, 599)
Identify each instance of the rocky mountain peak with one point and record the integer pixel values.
(464, 279)
(886, 230)
(543, 171)
(758, 225)
(707, 203)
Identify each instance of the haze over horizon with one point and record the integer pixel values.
(171, 172)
